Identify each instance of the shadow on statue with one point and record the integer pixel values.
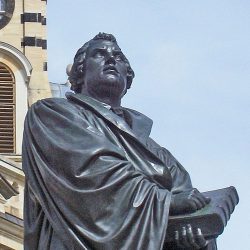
(95, 179)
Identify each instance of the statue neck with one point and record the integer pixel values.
(112, 101)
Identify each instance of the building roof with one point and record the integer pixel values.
(7, 190)
(59, 89)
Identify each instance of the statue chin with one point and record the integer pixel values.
(111, 89)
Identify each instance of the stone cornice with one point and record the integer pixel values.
(11, 227)
(6, 189)
(18, 56)
(11, 168)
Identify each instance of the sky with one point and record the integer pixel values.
(192, 65)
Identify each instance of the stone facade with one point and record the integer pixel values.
(23, 51)
(26, 31)
(11, 204)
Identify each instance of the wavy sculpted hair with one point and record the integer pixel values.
(78, 68)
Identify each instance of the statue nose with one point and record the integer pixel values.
(110, 60)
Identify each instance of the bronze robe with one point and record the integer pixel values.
(93, 181)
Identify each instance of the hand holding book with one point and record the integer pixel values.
(183, 203)
(211, 219)
(188, 202)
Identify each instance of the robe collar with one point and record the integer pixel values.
(140, 124)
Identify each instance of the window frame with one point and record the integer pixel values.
(11, 107)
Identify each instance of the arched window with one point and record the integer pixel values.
(7, 110)
(2, 6)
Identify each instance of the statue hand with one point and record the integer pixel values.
(186, 239)
(187, 202)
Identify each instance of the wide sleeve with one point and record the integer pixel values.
(92, 196)
(180, 178)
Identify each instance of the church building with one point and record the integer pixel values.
(23, 80)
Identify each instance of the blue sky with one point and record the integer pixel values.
(192, 65)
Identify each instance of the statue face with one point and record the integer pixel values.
(105, 70)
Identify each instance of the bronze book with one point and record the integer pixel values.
(211, 219)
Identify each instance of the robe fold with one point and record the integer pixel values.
(92, 180)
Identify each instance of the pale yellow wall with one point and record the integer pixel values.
(13, 32)
(39, 84)
(28, 90)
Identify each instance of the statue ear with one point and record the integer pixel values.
(80, 74)
(80, 69)
(130, 76)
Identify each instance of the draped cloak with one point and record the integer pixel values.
(94, 181)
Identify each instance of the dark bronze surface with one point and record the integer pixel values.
(94, 177)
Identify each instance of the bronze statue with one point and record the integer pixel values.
(94, 177)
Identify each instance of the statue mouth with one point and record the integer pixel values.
(110, 69)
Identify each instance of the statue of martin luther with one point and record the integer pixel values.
(94, 177)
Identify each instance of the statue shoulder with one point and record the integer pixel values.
(50, 102)
(51, 108)
(53, 103)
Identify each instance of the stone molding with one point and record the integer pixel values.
(10, 229)
(17, 55)
(11, 168)
(6, 189)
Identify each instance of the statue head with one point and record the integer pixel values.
(77, 76)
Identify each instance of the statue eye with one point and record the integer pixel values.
(118, 57)
(98, 54)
